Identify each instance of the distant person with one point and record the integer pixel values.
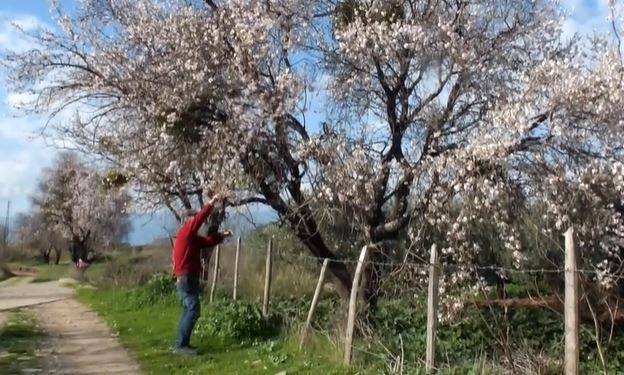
(187, 269)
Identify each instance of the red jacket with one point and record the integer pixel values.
(187, 246)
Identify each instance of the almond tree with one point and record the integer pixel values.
(182, 103)
(433, 103)
(76, 203)
(34, 232)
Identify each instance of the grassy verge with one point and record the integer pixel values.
(52, 272)
(19, 339)
(148, 332)
(5, 273)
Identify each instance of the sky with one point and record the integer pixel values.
(23, 153)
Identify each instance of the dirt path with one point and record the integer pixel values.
(21, 293)
(80, 342)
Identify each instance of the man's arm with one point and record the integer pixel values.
(213, 239)
(210, 241)
(199, 218)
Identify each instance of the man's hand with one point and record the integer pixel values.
(215, 198)
(226, 234)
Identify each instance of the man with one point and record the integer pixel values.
(187, 269)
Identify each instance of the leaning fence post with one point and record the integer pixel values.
(236, 259)
(353, 306)
(215, 274)
(317, 293)
(571, 307)
(267, 280)
(432, 309)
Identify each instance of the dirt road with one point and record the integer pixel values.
(79, 341)
(20, 292)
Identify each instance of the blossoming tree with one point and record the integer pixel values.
(431, 104)
(75, 202)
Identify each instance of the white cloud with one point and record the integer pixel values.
(11, 37)
(18, 100)
(18, 130)
(24, 152)
(19, 171)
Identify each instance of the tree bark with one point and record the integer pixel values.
(45, 255)
(57, 258)
(79, 249)
(308, 233)
(372, 282)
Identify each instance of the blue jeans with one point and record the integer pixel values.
(188, 289)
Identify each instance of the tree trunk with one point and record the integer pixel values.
(45, 256)
(372, 282)
(79, 250)
(57, 258)
(310, 236)
(304, 226)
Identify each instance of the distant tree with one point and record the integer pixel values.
(80, 205)
(34, 232)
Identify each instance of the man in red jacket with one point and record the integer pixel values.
(187, 268)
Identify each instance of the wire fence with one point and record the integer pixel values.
(420, 308)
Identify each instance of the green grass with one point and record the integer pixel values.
(148, 332)
(5, 273)
(19, 339)
(52, 272)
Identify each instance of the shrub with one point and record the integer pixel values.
(292, 310)
(160, 288)
(240, 321)
(395, 324)
(129, 271)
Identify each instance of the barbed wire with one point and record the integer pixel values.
(425, 266)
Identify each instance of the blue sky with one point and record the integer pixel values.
(23, 153)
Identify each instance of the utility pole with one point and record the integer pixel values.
(6, 224)
(5, 234)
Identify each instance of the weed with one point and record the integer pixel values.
(19, 339)
(235, 321)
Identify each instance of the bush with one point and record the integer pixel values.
(19, 255)
(291, 311)
(396, 323)
(239, 321)
(129, 271)
(160, 288)
(534, 335)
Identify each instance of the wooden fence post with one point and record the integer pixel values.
(317, 293)
(215, 274)
(236, 259)
(353, 306)
(571, 307)
(432, 309)
(267, 280)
